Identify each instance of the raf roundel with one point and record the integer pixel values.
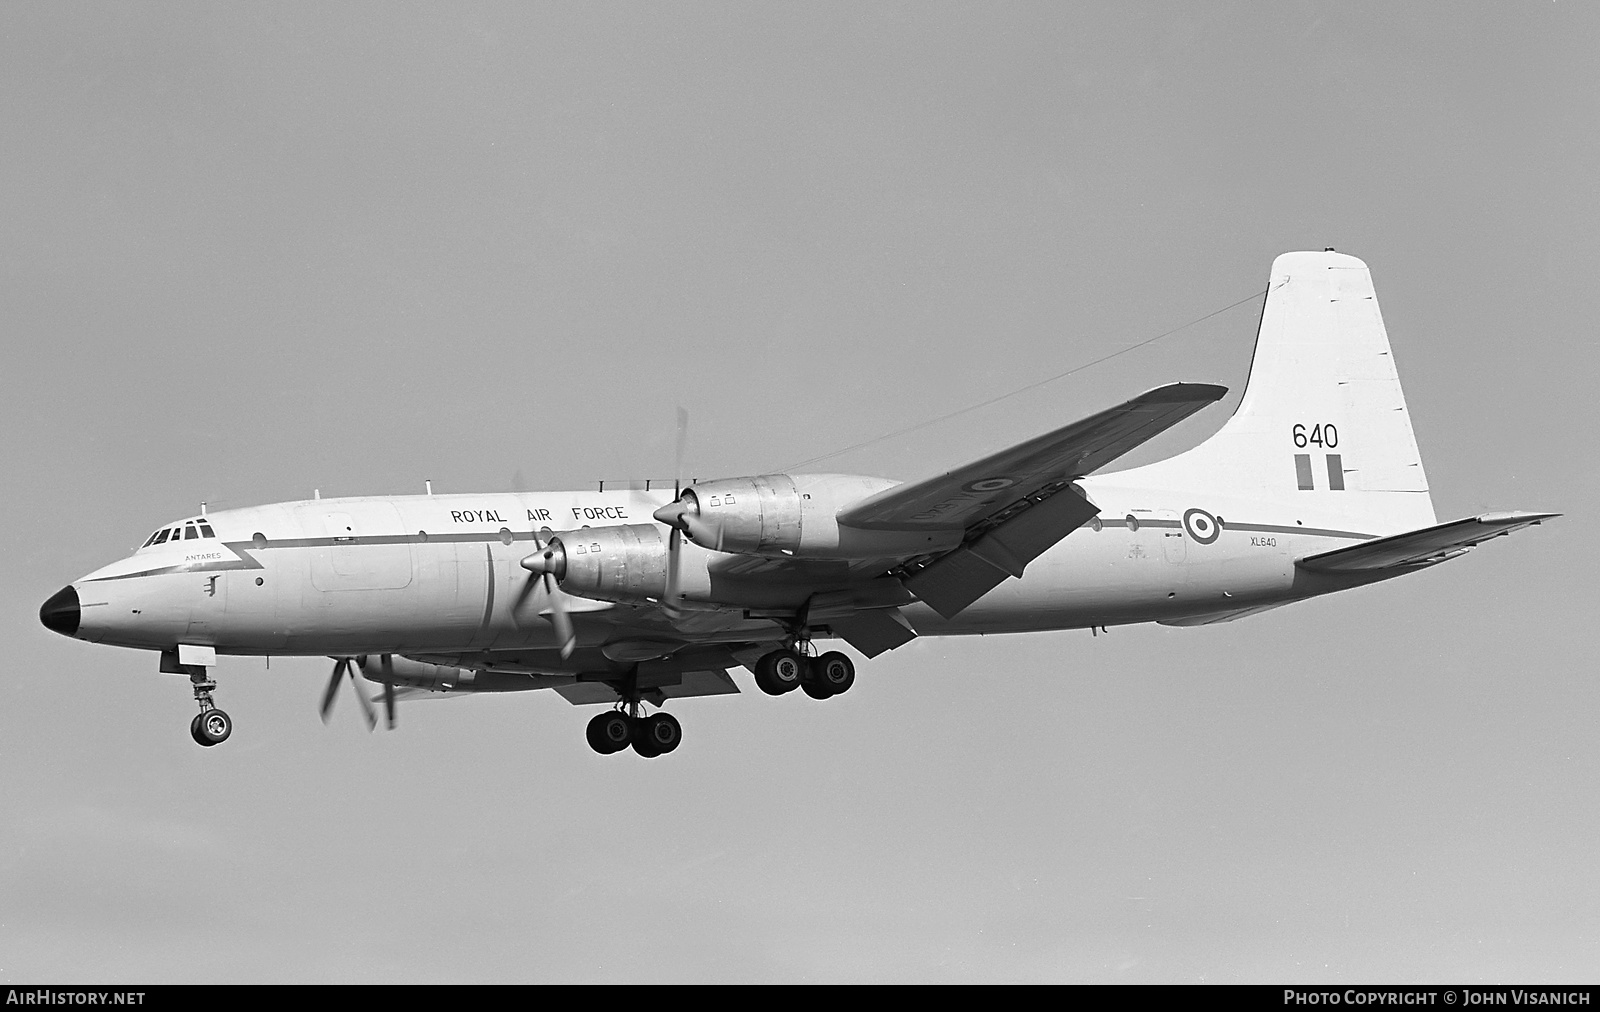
(989, 484)
(1202, 526)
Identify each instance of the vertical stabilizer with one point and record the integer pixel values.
(1323, 422)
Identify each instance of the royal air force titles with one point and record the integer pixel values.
(579, 514)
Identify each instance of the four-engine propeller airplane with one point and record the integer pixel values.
(637, 596)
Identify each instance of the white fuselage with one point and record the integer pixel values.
(441, 574)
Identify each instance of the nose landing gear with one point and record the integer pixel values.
(210, 726)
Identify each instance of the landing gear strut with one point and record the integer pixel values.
(210, 726)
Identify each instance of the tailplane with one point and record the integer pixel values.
(1322, 422)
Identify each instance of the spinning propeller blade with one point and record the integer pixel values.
(343, 666)
(669, 599)
(332, 691)
(683, 439)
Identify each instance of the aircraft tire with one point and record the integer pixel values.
(609, 732)
(663, 732)
(788, 669)
(213, 728)
(645, 747)
(780, 671)
(834, 671)
(194, 731)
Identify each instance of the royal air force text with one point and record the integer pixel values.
(579, 514)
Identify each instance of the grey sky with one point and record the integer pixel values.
(249, 252)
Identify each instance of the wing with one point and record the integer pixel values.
(1424, 547)
(969, 494)
(1010, 507)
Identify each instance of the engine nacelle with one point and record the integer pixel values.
(626, 563)
(776, 514)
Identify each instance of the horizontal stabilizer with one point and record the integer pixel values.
(1423, 547)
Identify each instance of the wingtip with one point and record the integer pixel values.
(1205, 393)
(1516, 517)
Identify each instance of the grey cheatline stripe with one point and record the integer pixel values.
(1336, 472)
(243, 561)
(1302, 470)
(1229, 525)
(245, 558)
(419, 538)
(1320, 532)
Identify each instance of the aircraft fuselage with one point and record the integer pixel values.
(441, 574)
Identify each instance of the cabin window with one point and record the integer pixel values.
(189, 533)
(1132, 522)
(162, 535)
(205, 531)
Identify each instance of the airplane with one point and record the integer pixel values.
(631, 597)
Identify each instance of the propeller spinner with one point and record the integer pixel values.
(549, 564)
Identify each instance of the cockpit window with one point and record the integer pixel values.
(186, 531)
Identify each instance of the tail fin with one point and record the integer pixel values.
(1322, 414)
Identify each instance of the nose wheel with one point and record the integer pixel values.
(210, 726)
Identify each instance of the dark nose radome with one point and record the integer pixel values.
(61, 612)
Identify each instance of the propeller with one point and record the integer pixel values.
(387, 662)
(347, 666)
(683, 514)
(683, 439)
(672, 515)
(669, 599)
(550, 564)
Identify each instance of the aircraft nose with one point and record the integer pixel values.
(61, 613)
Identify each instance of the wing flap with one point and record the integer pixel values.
(714, 682)
(874, 632)
(953, 581)
(1422, 547)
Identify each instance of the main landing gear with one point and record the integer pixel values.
(210, 726)
(787, 669)
(650, 736)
